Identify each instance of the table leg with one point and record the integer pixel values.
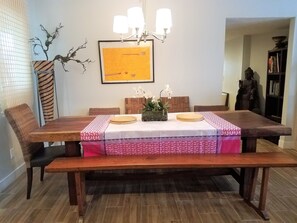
(80, 192)
(249, 145)
(72, 149)
(254, 184)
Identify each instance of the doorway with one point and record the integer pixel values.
(247, 41)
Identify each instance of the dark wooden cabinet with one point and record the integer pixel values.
(275, 86)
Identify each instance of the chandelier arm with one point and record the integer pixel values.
(126, 38)
(143, 37)
(159, 37)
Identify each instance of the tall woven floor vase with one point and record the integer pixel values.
(44, 71)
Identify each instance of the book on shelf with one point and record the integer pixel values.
(271, 87)
(270, 64)
(277, 62)
(274, 88)
(273, 64)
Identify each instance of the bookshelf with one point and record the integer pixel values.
(275, 84)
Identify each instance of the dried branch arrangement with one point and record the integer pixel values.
(50, 37)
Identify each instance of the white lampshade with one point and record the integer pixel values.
(135, 18)
(135, 21)
(163, 20)
(120, 24)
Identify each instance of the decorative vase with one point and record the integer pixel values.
(154, 116)
(44, 71)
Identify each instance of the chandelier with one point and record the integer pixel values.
(135, 21)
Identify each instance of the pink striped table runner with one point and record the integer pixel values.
(213, 135)
(92, 136)
(228, 134)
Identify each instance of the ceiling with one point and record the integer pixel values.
(252, 26)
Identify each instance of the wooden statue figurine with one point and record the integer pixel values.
(247, 97)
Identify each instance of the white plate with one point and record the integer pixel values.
(123, 119)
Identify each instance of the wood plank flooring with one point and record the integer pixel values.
(182, 199)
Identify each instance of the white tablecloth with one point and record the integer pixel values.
(211, 135)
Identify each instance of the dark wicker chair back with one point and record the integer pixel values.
(176, 104)
(104, 111)
(198, 108)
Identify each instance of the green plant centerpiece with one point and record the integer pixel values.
(154, 109)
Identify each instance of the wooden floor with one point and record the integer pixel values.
(184, 199)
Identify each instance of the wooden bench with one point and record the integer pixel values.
(254, 161)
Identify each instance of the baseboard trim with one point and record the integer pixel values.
(286, 144)
(9, 179)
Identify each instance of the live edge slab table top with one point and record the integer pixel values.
(253, 126)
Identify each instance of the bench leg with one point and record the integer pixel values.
(80, 192)
(263, 193)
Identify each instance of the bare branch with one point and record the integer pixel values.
(71, 57)
(51, 37)
(36, 42)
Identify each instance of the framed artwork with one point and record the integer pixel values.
(126, 62)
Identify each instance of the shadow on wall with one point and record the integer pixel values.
(260, 92)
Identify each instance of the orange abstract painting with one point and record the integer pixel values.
(126, 63)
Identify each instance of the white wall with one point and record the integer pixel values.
(232, 68)
(290, 105)
(92, 19)
(191, 60)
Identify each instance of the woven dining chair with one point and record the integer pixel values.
(200, 108)
(176, 104)
(23, 121)
(104, 111)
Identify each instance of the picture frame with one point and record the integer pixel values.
(126, 62)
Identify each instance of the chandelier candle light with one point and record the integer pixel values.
(135, 21)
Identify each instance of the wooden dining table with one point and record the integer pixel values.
(253, 126)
